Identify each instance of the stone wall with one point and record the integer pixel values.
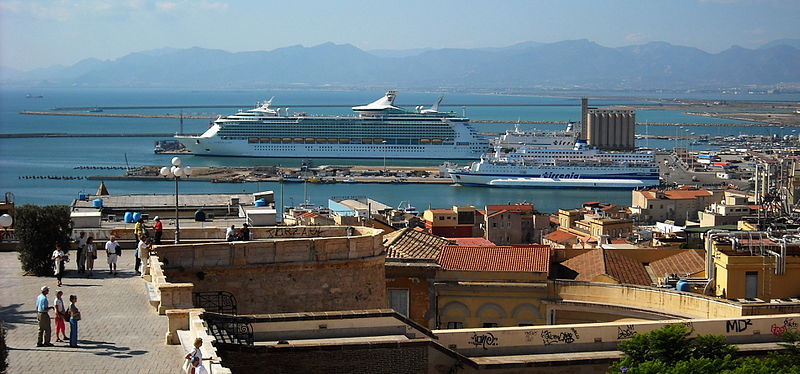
(290, 273)
(299, 287)
(410, 357)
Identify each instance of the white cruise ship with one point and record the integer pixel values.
(377, 130)
(586, 168)
(513, 139)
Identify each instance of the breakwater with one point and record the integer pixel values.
(66, 135)
(203, 116)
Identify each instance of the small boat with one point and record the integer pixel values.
(29, 96)
(349, 180)
(292, 180)
(95, 110)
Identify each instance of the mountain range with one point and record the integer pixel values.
(570, 64)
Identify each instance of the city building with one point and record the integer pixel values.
(608, 266)
(460, 221)
(752, 266)
(679, 205)
(514, 224)
(492, 286)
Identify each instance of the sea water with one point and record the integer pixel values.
(59, 156)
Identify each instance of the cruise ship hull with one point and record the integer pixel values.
(618, 181)
(237, 148)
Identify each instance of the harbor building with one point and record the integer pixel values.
(611, 129)
(679, 205)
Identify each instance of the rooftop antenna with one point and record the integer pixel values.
(127, 167)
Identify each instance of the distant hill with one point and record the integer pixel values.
(795, 43)
(566, 64)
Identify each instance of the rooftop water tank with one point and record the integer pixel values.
(683, 285)
(200, 215)
(82, 196)
(136, 216)
(128, 217)
(260, 202)
(97, 203)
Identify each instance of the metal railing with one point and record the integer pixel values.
(230, 329)
(216, 301)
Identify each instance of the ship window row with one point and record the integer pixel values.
(345, 141)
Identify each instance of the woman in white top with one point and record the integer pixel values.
(58, 266)
(91, 254)
(194, 353)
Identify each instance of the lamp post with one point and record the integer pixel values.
(6, 221)
(177, 171)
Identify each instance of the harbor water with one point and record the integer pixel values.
(60, 156)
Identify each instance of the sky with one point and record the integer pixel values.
(41, 33)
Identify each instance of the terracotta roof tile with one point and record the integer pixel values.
(560, 237)
(410, 243)
(607, 262)
(511, 207)
(534, 258)
(472, 242)
(498, 212)
(685, 263)
(679, 194)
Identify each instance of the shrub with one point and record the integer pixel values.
(38, 229)
(3, 349)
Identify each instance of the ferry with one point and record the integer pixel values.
(513, 139)
(581, 168)
(377, 130)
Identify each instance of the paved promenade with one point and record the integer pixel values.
(119, 330)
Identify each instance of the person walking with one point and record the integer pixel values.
(159, 229)
(43, 317)
(144, 245)
(112, 250)
(82, 252)
(58, 266)
(91, 254)
(74, 317)
(59, 314)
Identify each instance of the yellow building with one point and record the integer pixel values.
(749, 265)
(492, 286)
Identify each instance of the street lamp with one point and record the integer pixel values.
(6, 221)
(177, 171)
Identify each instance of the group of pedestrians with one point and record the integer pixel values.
(70, 314)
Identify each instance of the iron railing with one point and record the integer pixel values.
(230, 329)
(216, 301)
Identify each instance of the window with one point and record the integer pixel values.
(398, 300)
(455, 325)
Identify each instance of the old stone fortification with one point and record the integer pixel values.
(300, 269)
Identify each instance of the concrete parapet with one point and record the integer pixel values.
(605, 336)
(175, 296)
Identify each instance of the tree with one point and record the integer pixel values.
(669, 350)
(3, 348)
(38, 229)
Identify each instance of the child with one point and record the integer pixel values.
(60, 312)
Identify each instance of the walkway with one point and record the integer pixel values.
(119, 331)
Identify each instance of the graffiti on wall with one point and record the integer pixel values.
(737, 325)
(788, 324)
(483, 340)
(625, 332)
(565, 337)
(291, 232)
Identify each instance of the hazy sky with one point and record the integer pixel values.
(39, 33)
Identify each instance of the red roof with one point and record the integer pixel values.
(533, 258)
(498, 212)
(512, 207)
(559, 236)
(617, 266)
(679, 194)
(472, 242)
